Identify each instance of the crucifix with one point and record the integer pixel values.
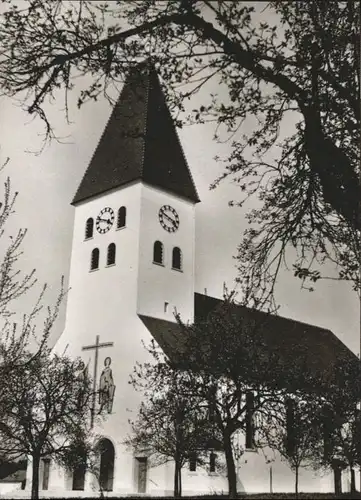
(96, 346)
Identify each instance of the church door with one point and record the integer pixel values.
(142, 463)
(106, 472)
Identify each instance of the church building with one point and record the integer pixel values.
(133, 264)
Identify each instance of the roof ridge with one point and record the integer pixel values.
(273, 315)
(319, 355)
(139, 141)
(179, 141)
(95, 149)
(145, 128)
(185, 160)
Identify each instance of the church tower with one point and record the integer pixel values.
(132, 266)
(136, 201)
(132, 254)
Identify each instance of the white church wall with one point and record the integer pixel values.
(7, 489)
(115, 427)
(159, 284)
(106, 303)
(259, 476)
(201, 481)
(254, 476)
(103, 302)
(98, 298)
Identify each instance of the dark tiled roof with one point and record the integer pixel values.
(139, 142)
(17, 477)
(167, 334)
(13, 472)
(319, 348)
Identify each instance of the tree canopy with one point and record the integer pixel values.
(45, 410)
(243, 391)
(293, 68)
(172, 422)
(240, 378)
(13, 283)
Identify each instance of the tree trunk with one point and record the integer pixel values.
(177, 479)
(178, 461)
(231, 468)
(296, 481)
(176, 476)
(353, 482)
(337, 479)
(35, 477)
(180, 481)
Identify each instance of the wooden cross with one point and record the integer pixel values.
(96, 346)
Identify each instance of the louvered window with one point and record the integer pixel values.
(122, 217)
(89, 226)
(111, 254)
(177, 258)
(94, 261)
(158, 252)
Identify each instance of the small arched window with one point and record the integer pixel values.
(94, 262)
(111, 254)
(158, 252)
(177, 258)
(122, 217)
(89, 226)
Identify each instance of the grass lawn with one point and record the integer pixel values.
(256, 496)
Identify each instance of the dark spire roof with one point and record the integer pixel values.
(139, 143)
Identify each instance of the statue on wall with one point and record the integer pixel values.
(106, 387)
(83, 377)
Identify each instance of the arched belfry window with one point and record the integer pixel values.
(177, 258)
(106, 470)
(94, 261)
(158, 252)
(111, 254)
(122, 217)
(89, 226)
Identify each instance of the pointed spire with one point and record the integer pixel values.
(139, 142)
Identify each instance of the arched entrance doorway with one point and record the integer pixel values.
(106, 468)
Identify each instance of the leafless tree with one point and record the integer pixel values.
(172, 423)
(46, 411)
(279, 60)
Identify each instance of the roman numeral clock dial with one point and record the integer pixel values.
(105, 220)
(168, 218)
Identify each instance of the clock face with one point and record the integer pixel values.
(105, 220)
(168, 218)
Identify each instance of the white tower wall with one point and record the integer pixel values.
(160, 284)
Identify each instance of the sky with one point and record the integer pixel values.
(48, 181)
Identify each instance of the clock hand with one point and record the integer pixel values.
(169, 218)
(104, 220)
